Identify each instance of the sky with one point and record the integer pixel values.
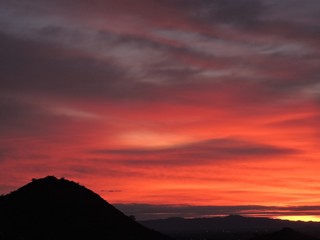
(165, 108)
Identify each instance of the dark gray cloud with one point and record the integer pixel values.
(240, 12)
(17, 116)
(36, 67)
(149, 211)
(20, 118)
(29, 67)
(289, 19)
(111, 191)
(44, 65)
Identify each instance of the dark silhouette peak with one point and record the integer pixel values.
(58, 192)
(52, 208)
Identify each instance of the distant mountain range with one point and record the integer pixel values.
(58, 209)
(234, 227)
(285, 234)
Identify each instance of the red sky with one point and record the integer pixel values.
(206, 104)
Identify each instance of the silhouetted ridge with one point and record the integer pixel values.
(233, 227)
(51, 208)
(285, 234)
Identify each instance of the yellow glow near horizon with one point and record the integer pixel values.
(300, 218)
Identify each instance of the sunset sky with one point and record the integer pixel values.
(165, 107)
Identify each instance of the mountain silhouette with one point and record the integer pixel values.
(285, 234)
(231, 223)
(58, 209)
(233, 227)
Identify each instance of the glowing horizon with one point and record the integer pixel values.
(301, 218)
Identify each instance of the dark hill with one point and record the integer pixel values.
(59, 209)
(285, 234)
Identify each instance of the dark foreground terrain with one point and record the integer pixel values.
(58, 209)
(285, 234)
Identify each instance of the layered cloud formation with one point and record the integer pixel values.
(163, 102)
